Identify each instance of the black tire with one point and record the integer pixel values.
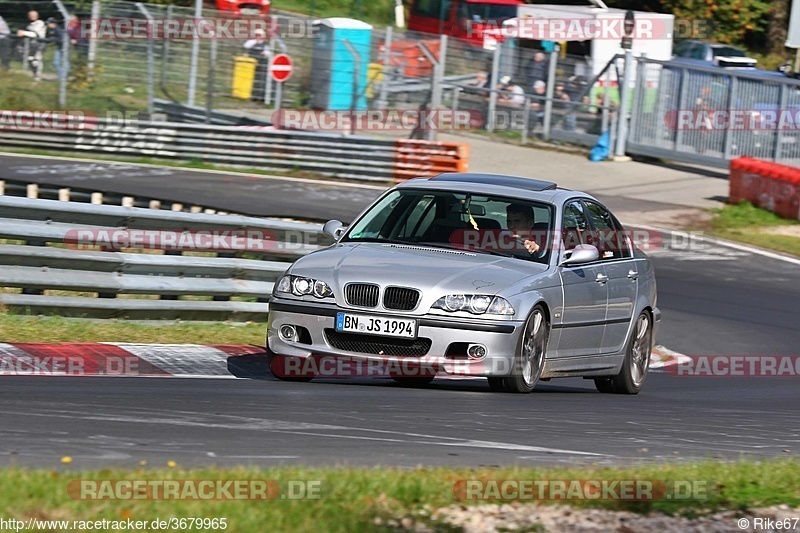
(277, 366)
(531, 354)
(633, 373)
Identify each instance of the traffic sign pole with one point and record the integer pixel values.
(280, 69)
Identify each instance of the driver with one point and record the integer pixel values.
(520, 220)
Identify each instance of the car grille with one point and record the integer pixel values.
(362, 294)
(358, 343)
(400, 298)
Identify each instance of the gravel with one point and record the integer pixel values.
(533, 517)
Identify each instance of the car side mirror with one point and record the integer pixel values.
(334, 229)
(581, 254)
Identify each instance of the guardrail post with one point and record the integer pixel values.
(624, 105)
(490, 120)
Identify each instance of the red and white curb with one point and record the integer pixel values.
(164, 360)
(120, 359)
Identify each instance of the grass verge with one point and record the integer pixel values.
(351, 499)
(19, 328)
(749, 224)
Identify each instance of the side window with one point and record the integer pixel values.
(574, 226)
(606, 234)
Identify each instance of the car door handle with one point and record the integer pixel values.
(601, 278)
(632, 274)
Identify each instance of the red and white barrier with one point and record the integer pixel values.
(120, 359)
(768, 185)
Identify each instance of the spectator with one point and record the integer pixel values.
(34, 33)
(537, 70)
(55, 35)
(258, 48)
(512, 93)
(5, 45)
(537, 103)
(76, 37)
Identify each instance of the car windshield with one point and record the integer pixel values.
(460, 221)
(727, 51)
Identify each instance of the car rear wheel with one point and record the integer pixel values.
(287, 368)
(529, 362)
(633, 374)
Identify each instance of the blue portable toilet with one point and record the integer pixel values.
(333, 65)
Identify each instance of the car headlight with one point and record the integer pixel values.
(477, 304)
(301, 286)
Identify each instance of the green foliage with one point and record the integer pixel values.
(728, 21)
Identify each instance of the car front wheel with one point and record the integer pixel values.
(530, 357)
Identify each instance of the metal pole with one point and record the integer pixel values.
(26, 48)
(356, 77)
(165, 46)
(526, 121)
(493, 89)
(638, 95)
(92, 53)
(267, 77)
(278, 96)
(150, 58)
(198, 14)
(624, 104)
(211, 72)
(387, 59)
(548, 103)
(63, 75)
(606, 101)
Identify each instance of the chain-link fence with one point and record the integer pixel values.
(516, 90)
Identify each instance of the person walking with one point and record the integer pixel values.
(55, 35)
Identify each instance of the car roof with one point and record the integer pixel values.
(496, 179)
(496, 185)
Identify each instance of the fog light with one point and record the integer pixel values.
(288, 332)
(476, 351)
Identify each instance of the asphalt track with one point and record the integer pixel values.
(716, 300)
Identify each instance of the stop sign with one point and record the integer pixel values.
(280, 68)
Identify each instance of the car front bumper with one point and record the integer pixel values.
(499, 337)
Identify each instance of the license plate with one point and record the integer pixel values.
(377, 325)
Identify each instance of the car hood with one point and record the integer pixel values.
(434, 271)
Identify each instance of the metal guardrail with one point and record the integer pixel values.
(342, 156)
(74, 247)
(198, 115)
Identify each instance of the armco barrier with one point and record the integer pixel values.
(771, 186)
(214, 266)
(342, 156)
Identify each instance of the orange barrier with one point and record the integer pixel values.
(419, 159)
(771, 186)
